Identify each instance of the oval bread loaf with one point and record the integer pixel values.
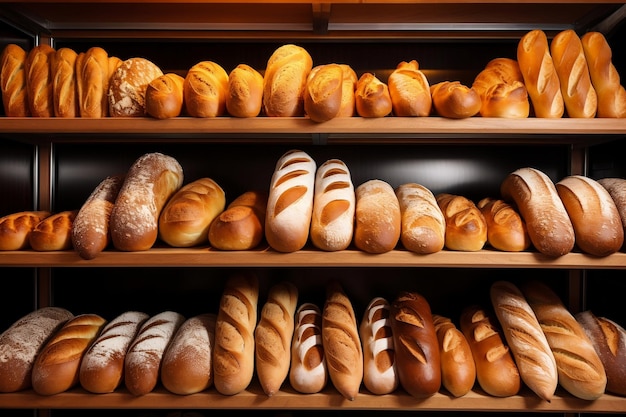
(378, 223)
(423, 226)
(372, 97)
(13, 81)
(245, 92)
(39, 81)
(323, 92)
(53, 233)
(454, 100)
(409, 90)
(205, 90)
(242, 225)
(506, 230)
(308, 373)
(164, 96)
(466, 227)
(15, 228)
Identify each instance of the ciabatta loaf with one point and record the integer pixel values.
(423, 224)
(372, 97)
(377, 217)
(466, 228)
(245, 92)
(308, 373)
(15, 228)
(205, 90)
(502, 90)
(284, 81)
(242, 225)
(506, 230)
(409, 90)
(13, 81)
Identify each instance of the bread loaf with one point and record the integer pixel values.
(409, 90)
(150, 182)
(332, 220)
(597, 224)
(617, 190)
(57, 366)
(501, 88)
(21, 343)
(142, 364)
(205, 90)
(466, 228)
(187, 365)
(540, 76)
(418, 359)
(242, 225)
(39, 81)
(245, 92)
(127, 87)
(273, 335)
(506, 230)
(54, 232)
(15, 228)
(423, 226)
(290, 202)
(308, 373)
(102, 367)
(63, 76)
(164, 96)
(187, 216)
(454, 100)
(233, 357)
(579, 368)
(380, 375)
(535, 196)
(92, 82)
(13, 81)
(284, 81)
(377, 217)
(523, 333)
(341, 341)
(348, 90)
(372, 97)
(496, 371)
(323, 93)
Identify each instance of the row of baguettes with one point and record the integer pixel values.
(572, 76)
(306, 203)
(525, 337)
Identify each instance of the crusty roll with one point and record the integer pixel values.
(341, 341)
(245, 92)
(57, 366)
(569, 59)
(54, 232)
(242, 225)
(466, 227)
(205, 90)
(308, 373)
(380, 374)
(496, 371)
(454, 100)
(348, 98)
(273, 335)
(579, 367)
(535, 196)
(164, 96)
(187, 365)
(372, 97)
(92, 82)
(604, 76)
(187, 216)
(323, 93)
(90, 229)
(150, 182)
(332, 221)
(284, 81)
(378, 224)
(233, 356)
(540, 76)
(15, 228)
(617, 190)
(290, 201)
(525, 337)
(21, 343)
(597, 224)
(127, 87)
(63, 76)
(13, 81)
(102, 367)
(142, 364)
(506, 230)
(418, 359)
(409, 90)
(423, 226)
(458, 370)
(39, 81)
(502, 91)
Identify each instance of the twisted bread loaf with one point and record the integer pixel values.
(284, 81)
(13, 81)
(423, 225)
(409, 90)
(15, 228)
(308, 373)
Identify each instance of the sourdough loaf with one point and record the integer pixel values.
(323, 92)
(127, 87)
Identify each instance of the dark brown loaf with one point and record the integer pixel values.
(92, 82)
(242, 225)
(409, 90)
(466, 228)
(54, 232)
(127, 87)
(617, 189)
(323, 92)
(21, 343)
(63, 75)
(372, 97)
(13, 81)
(423, 226)
(501, 88)
(205, 90)
(308, 373)
(454, 100)
(164, 96)
(15, 228)
(377, 217)
(506, 230)
(39, 81)
(245, 92)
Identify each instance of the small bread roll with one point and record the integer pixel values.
(372, 97)
(164, 96)
(205, 90)
(127, 87)
(506, 230)
(245, 92)
(13, 81)
(409, 90)
(39, 81)
(242, 225)
(308, 373)
(92, 82)
(502, 91)
(378, 223)
(63, 75)
(15, 228)
(323, 92)
(454, 100)
(466, 228)
(54, 233)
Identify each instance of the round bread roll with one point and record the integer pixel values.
(127, 87)
(409, 90)
(164, 96)
(372, 97)
(454, 100)
(245, 92)
(242, 225)
(205, 90)
(378, 223)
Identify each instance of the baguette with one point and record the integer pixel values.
(323, 92)
(466, 227)
(15, 228)
(423, 225)
(242, 225)
(409, 90)
(39, 81)
(617, 190)
(13, 81)
(454, 100)
(245, 92)
(205, 90)
(164, 96)
(377, 217)
(308, 373)
(54, 233)
(92, 82)
(63, 76)
(372, 97)
(502, 91)
(506, 230)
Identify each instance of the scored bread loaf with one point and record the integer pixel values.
(423, 225)
(273, 335)
(372, 97)
(409, 90)
(245, 92)
(348, 99)
(332, 219)
(242, 225)
(308, 373)
(506, 230)
(39, 81)
(380, 374)
(377, 225)
(454, 100)
(466, 227)
(54, 232)
(63, 76)
(57, 366)
(617, 190)
(127, 87)
(21, 343)
(502, 91)
(92, 82)
(205, 90)
(13, 81)
(15, 228)
(164, 96)
(323, 93)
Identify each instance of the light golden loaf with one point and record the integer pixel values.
(323, 92)
(506, 230)
(348, 99)
(502, 91)
(54, 233)
(617, 190)
(13, 81)
(409, 90)
(423, 226)
(92, 82)
(245, 92)
(466, 227)
(378, 219)
(39, 81)
(205, 90)
(164, 96)
(127, 87)
(242, 225)
(308, 373)
(63, 75)
(372, 97)
(15, 228)
(454, 100)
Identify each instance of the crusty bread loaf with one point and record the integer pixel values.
(496, 371)
(323, 92)
(92, 82)
(233, 356)
(535, 196)
(57, 366)
(13, 81)
(409, 90)
(205, 90)
(597, 224)
(142, 363)
(372, 97)
(290, 201)
(39, 81)
(164, 96)
(187, 365)
(187, 216)
(348, 90)
(245, 92)
(341, 341)
(528, 343)
(102, 367)
(380, 374)
(127, 87)
(15, 228)
(466, 227)
(21, 343)
(454, 100)
(580, 370)
(502, 91)
(273, 335)
(54, 232)
(308, 373)
(540, 76)
(423, 226)
(617, 190)
(332, 219)
(63, 76)
(242, 225)
(378, 224)
(506, 230)
(418, 359)
(150, 182)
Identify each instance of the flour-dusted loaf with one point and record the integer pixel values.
(205, 89)
(13, 81)
(15, 228)
(502, 90)
(506, 230)
(92, 82)
(53, 233)
(164, 96)
(308, 373)
(127, 87)
(423, 226)
(466, 227)
(245, 92)
(242, 225)
(372, 97)
(454, 100)
(39, 81)
(409, 90)
(378, 223)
